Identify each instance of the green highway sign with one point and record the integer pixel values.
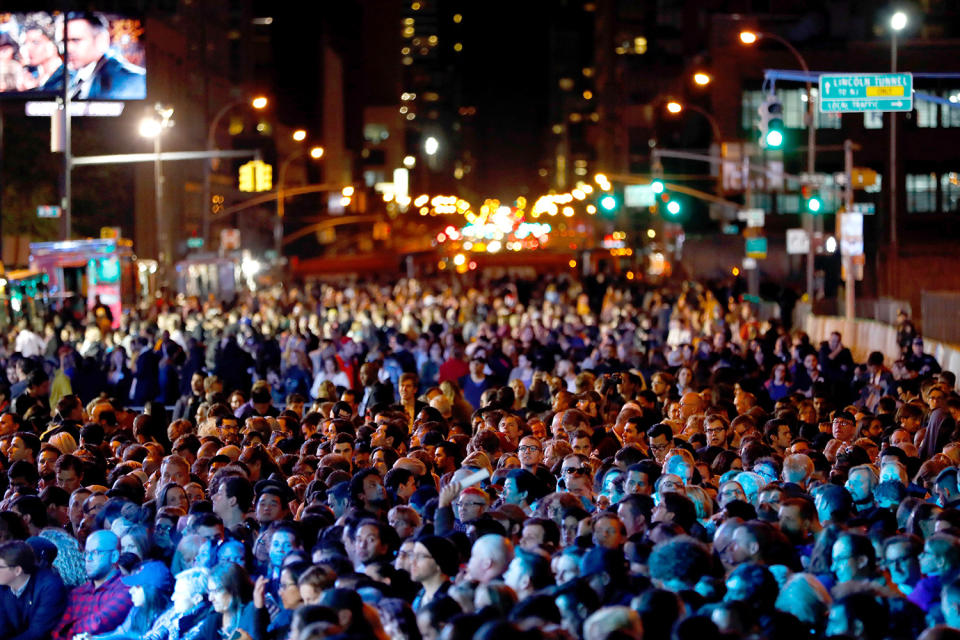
(863, 92)
(756, 247)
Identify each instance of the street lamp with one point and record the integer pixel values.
(702, 78)
(898, 22)
(153, 127)
(316, 153)
(431, 145)
(258, 102)
(750, 37)
(299, 135)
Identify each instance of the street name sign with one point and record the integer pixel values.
(863, 92)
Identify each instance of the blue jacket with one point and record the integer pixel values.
(37, 611)
(116, 79)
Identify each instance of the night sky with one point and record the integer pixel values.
(505, 64)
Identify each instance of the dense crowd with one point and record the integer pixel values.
(472, 459)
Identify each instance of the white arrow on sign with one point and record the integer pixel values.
(826, 87)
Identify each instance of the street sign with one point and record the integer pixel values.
(753, 217)
(48, 211)
(862, 92)
(749, 263)
(194, 243)
(229, 239)
(756, 248)
(798, 242)
(731, 230)
(639, 195)
(865, 208)
(851, 234)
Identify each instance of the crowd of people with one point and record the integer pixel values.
(472, 459)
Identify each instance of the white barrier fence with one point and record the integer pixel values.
(865, 336)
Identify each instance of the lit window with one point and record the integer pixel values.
(873, 120)
(927, 113)
(950, 191)
(950, 114)
(921, 192)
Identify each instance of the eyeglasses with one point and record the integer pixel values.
(571, 471)
(715, 430)
(163, 528)
(529, 448)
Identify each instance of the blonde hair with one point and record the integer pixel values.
(64, 442)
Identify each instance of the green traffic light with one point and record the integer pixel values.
(657, 186)
(608, 203)
(774, 138)
(814, 205)
(673, 207)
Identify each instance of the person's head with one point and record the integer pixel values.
(520, 487)
(69, 472)
(405, 521)
(87, 40)
(940, 556)
(660, 437)
(861, 481)
(283, 539)
(190, 589)
(369, 542)
(950, 603)
(641, 478)
(229, 587)
(175, 469)
(17, 563)
(854, 557)
(844, 427)
(489, 558)
(530, 452)
(752, 583)
(101, 553)
(859, 615)
(609, 531)
(716, 428)
(528, 572)
(433, 558)
(233, 497)
(901, 557)
(797, 518)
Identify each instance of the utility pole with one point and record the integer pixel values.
(850, 281)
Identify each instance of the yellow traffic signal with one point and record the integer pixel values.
(247, 182)
(264, 177)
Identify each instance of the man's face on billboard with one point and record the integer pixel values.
(84, 44)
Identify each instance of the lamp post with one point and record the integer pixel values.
(675, 107)
(259, 102)
(898, 21)
(153, 128)
(749, 38)
(316, 153)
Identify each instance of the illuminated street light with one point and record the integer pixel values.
(150, 127)
(748, 37)
(674, 107)
(898, 21)
(409, 162)
(260, 102)
(431, 145)
(701, 78)
(299, 135)
(316, 153)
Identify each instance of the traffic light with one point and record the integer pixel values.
(771, 123)
(812, 202)
(263, 177)
(608, 203)
(673, 208)
(247, 177)
(657, 186)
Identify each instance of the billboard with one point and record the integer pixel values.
(105, 56)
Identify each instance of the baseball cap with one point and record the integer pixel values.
(151, 573)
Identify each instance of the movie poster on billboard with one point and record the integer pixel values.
(105, 56)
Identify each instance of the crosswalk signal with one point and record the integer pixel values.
(771, 123)
(247, 182)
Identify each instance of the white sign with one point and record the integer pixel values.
(798, 242)
(851, 234)
(229, 239)
(639, 195)
(753, 217)
(749, 263)
(47, 109)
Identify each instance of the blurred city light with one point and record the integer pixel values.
(702, 78)
(748, 37)
(299, 135)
